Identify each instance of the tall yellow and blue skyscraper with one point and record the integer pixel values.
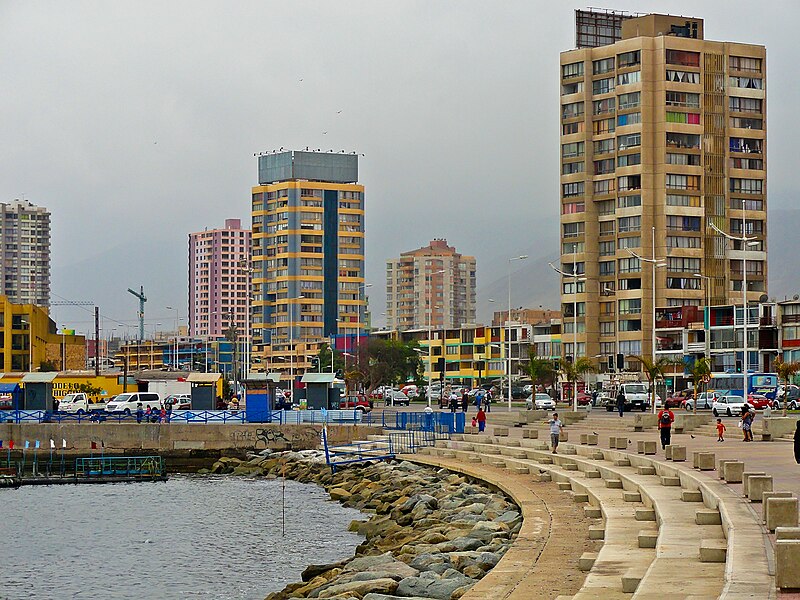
(308, 253)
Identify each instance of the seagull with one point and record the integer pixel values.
(338, 112)
(301, 79)
(595, 433)
(324, 133)
(690, 435)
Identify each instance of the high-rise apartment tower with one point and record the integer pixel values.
(662, 133)
(432, 286)
(25, 253)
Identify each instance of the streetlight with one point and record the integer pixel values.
(575, 278)
(430, 341)
(508, 322)
(746, 242)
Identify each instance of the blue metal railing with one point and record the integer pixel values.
(176, 416)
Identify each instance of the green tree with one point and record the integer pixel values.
(786, 371)
(699, 371)
(325, 355)
(541, 370)
(575, 370)
(388, 362)
(653, 371)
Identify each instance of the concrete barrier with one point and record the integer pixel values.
(678, 453)
(530, 433)
(721, 467)
(503, 431)
(780, 426)
(787, 557)
(746, 477)
(757, 485)
(734, 471)
(668, 452)
(706, 461)
(766, 496)
(781, 512)
(621, 443)
(591, 439)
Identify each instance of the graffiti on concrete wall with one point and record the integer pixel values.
(273, 437)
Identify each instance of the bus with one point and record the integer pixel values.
(765, 384)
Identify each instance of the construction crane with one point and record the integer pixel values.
(142, 299)
(72, 303)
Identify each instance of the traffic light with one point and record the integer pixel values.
(738, 366)
(339, 374)
(315, 362)
(610, 362)
(620, 362)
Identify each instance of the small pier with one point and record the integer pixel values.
(110, 469)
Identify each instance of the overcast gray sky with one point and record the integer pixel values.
(136, 123)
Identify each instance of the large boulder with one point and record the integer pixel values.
(361, 588)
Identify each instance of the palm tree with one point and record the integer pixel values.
(653, 371)
(700, 370)
(540, 370)
(786, 371)
(574, 370)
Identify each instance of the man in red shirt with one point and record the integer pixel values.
(665, 419)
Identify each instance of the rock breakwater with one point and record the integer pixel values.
(429, 533)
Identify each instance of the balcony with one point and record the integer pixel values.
(695, 347)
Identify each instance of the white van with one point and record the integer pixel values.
(128, 403)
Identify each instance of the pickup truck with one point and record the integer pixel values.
(81, 404)
(358, 402)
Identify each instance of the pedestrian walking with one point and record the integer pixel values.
(465, 401)
(139, 412)
(481, 418)
(555, 432)
(478, 398)
(665, 420)
(747, 424)
(797, 443)
(487, 400)
(474, 422)
(720, 431)
(621, 402)
(453, 402)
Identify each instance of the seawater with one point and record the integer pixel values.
(190, 537)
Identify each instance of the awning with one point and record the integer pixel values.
(39, 377)
(7, 388)
(318, 378)
(203, 377)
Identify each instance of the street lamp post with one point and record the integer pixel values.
(430, 341)
(575, 278)
(508, 323)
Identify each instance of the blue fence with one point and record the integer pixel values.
(442, 422)
(176, 416)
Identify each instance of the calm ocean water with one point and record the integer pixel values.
(191, 537)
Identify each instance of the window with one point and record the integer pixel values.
(572, 150)
(629, 182)
(630, 201)
(683, 265)
(683, 283)
(629, 141)
(678, 241)
(572, 189)
(744, 104)
(628, 224)
(572, 70)
(629, 119)
(682, 140)
(682, 117)
(683, 76)
(572, 247)
(747, 163)
(683, 159)
(603, 86)
(750, 83)
(629, 59)
(629, 242)
(680, 223)
(607, 328)
(683, 58)
(630, 306)
(574, 109)
(678, 200)
(607, 267)
(607, 228)
(687, 99)
(602, 107)
(629, 100)
(607, 248)
(633, 283)
(629, 325)
(603, 126)
(604, 186)
(571, 208)
(602, 167)
(573, 229)
(629, 265)
(570, 128)
(572, 88)
(603, 65)
(574, 268)
(745, 63)
(747, 186)
(605, 207)
(682, 182)
(571, 168)
(630, 347)
(603, 146)
(753, 227)
(744, 123)
(736, 203)
(628, 78)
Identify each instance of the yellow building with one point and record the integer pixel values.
(662, 133)
(308, 252)
(29, 336)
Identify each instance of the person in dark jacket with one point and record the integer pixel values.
(797, 443)
(621, 402)
(465, 401)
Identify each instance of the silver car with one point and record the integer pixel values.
(540, 401)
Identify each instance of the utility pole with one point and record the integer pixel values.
(97, 342)
(142, 299)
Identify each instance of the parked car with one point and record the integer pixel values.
(636, 398)
(179, 401)
(540, 401)
(584, 399)
(704, 400)
(727, 405)
(410, 390)
(528, 389)
(679, 399)
(760, 402)
(396, 397)
(128, 403)
(357, 402)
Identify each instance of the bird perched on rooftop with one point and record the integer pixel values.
(690, 435)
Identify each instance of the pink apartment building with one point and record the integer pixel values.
(219, 280)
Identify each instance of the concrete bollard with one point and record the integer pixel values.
(721, 467)
(695, 458)
(787, 557)
(583, 439)
(668, 452)
(734, 471)
(530, 434)
(787, 533)
(650, 447)
(757, 485)
(781, 512)
(766, 496)
(706, 461)
(500, 430)
(591, 439)
(621, 443)
(612, 442)
(563, 436)
(678, 453)
(745, 478)
(640, 447)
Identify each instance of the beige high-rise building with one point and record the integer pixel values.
(662, 132)
(431, 286)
